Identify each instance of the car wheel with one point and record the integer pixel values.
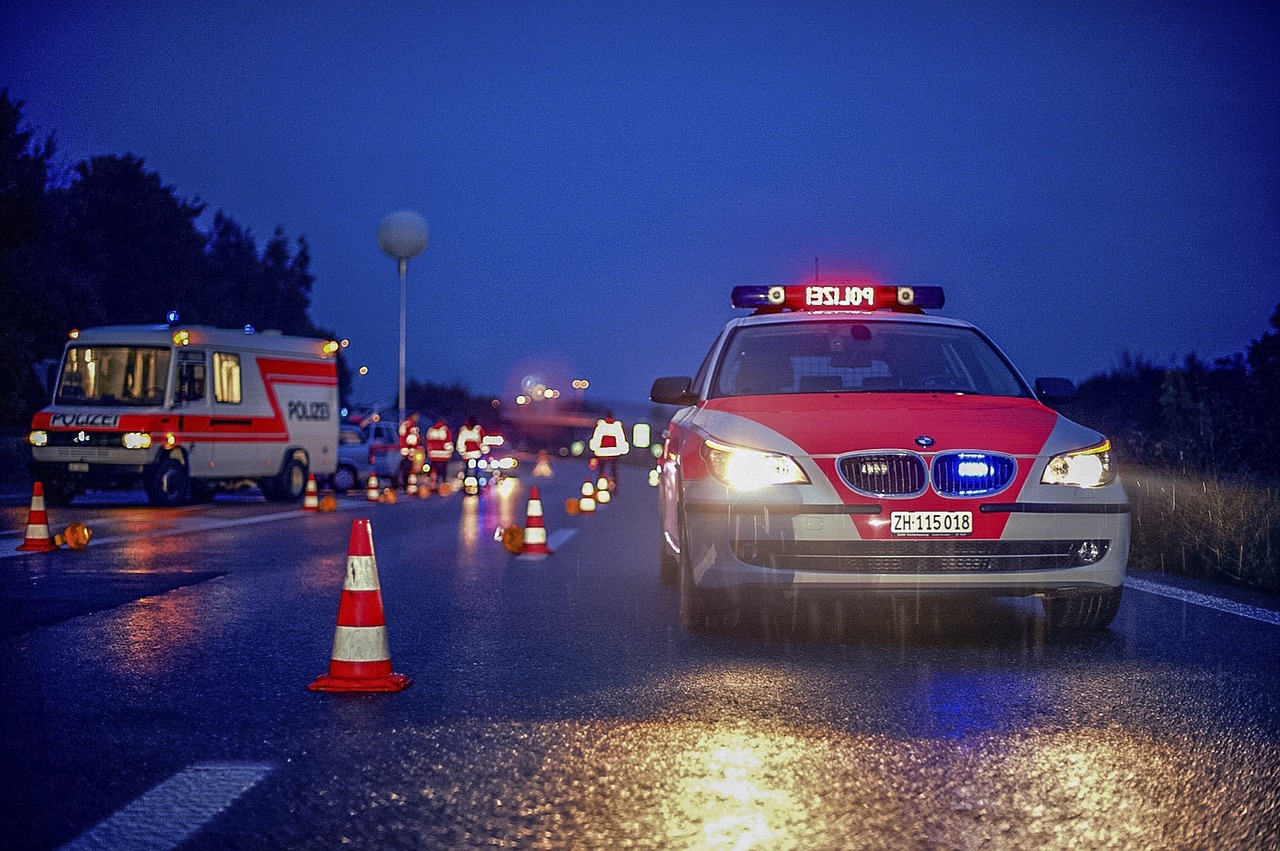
(169, 484)
(668, 564)
(344, 479)
(701, 608)
(1081, 613)
(289, 484)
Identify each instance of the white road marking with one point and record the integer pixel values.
(1229, 606)
(170, 813)
(196, 525)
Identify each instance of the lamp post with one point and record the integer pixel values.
(402, 236)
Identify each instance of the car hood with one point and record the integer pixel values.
(836, 423)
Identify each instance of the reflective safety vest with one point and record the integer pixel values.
(439, 442)
(470, 441)
(609, 439)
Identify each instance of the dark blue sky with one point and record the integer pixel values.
(1083, 178)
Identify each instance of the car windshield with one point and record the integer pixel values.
(843, 356)
(113, 375)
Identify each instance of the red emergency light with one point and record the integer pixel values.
(838, 295)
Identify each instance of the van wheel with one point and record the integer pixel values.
(169, 485)
(289, 484)
(344, 479)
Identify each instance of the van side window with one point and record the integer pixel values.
(191, 377)
(226, 378)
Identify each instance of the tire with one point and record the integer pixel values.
(290, 484)
(169, 484)
(1081, 613)
(701, 608)
(668, 565)
(345, 478)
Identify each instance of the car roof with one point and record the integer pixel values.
(847, 316)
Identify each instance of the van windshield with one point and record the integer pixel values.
(113, 375)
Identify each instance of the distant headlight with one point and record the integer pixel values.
(751, 469)
(136, 440)
(38, 438)
(1091, 467)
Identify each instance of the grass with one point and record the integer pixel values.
(1192, 525)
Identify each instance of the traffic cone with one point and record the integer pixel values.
(535, 534)
(587, 502)
(311, 502)
(37, 539)
(411, 487)
(361, 660)
(542, 469)
(602, 490)
(371, 490)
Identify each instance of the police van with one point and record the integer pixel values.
(186, 410)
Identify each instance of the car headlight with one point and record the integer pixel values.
(751, 469)
(39, 437)
(136, 440)
(1091, 467)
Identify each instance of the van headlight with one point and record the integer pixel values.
(39, 437)
(1091, 467)
(136, 440)
(751, 469)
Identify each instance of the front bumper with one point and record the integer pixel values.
(816, 547)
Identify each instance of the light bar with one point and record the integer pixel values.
(841, 296)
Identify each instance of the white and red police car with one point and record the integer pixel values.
(841, 441)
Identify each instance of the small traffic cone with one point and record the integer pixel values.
(371, 490)
(361, 660)
(411, 487)
(37, 539)
(602, 491)
(311, 502)
(587, 502)
(535, 534)
(542, 469)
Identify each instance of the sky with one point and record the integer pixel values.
(1083, 178)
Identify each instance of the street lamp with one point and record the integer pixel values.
(402, 236)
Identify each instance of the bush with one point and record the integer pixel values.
(1197, 526)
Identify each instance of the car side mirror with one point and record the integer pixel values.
(673, 390)
(1055, 389)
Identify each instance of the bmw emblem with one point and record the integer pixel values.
(924, 441)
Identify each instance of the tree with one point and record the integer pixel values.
(134, 239)
(28, 290)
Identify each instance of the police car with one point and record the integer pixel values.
(839, 440)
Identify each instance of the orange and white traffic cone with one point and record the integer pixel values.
(37, 538)
(311, 501)
(411, 486)
(361, 660)
(371, 491)
(542, 469)
(535, 534)
(602, 490)
(587, 502)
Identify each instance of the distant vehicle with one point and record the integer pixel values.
(364, 451)
(186, 410)
(840, 442)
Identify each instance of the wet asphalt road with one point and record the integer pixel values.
(157, 682)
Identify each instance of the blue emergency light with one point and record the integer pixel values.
(839, 295)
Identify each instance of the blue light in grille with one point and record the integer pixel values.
(972, 473)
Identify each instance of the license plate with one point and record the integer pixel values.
(78, 467)
(931, 522)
